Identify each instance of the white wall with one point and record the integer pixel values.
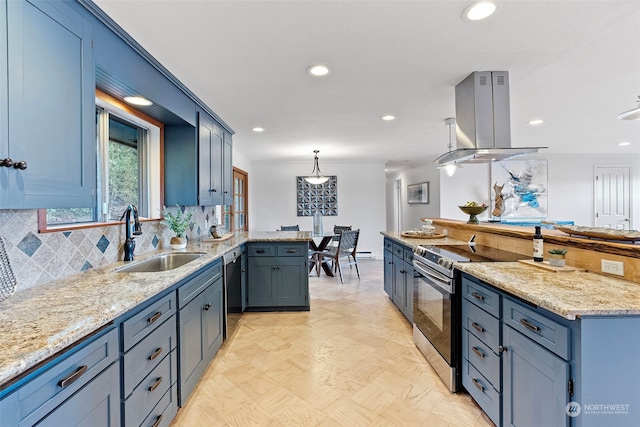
(361, 198)
(411, 213)
(570, 187)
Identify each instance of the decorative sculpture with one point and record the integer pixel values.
(498, 200)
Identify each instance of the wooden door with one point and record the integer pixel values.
(612, 197)
(239, 208)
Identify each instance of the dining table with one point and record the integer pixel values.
(316, 249)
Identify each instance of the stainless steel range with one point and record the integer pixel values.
(436, 303)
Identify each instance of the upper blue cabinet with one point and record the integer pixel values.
(47, 116)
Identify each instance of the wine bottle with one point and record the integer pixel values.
(537, 245)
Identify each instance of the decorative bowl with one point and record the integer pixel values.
(472, 211)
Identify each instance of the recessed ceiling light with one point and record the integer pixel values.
(535, 122)
(137, 100)
(257, 129)
(479, 10)
(318, 70)
(624, 143)
(388, 118)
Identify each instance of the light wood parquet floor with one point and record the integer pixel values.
(350, 361)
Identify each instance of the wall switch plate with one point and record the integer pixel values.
(445, 232)
(612, 267)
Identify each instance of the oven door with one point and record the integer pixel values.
(434, 310)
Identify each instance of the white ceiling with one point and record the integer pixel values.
(576, 64)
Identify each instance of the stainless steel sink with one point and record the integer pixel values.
(158, 263)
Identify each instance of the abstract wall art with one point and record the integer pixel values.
(312, 197)
(524, 189)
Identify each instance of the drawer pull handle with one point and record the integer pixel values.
(158, 421)
(478, 352)
(155, 384)
(477, 296)
(73, 377)
(155, 354)
(477, 384)
(291, 251)
(477, 327)
(260, 251)
(154, 317)
(529, 326)
(402, 271)
(207, 306)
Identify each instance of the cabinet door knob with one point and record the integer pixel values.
(22, 165)
(6, 162)
(212, 190)
(502, 349)
(207, 306)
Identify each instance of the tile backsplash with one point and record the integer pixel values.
(38, 258)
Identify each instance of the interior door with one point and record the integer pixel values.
(240, 204)
(613, 197)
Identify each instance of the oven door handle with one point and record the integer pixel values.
(434, 277)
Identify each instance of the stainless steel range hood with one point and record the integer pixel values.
(483, 124)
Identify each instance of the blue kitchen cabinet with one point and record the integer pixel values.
(47, 117)
(277, 276)
(81, 386)
(198, 169)
(149, 359)
(398, 276)
(227, 170)
(200, 326)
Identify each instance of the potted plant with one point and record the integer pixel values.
(178, 223)
(556, 257)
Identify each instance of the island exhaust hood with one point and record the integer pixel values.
(483, 124)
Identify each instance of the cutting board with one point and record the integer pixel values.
(214, 240)
(545, 266)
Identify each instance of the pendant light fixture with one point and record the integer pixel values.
(450, 168)
(631, 114)
(316, 176)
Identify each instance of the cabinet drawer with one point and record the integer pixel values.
(398, 250)
(408, 256)
(261, 250)
(149, 392)
(145, 355)
(199, 283)
(546, 332)
(481, 324)
(293, 249)
(482, 358)
(482, 392)
(142, 324)
(29, 403)
(165, 411)
(388, 246)
(483, 297)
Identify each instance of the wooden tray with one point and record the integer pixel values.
(422, 236)
(545, 266)
(214, 240)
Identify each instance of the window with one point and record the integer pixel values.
(128, 167)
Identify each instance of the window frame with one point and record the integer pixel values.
(43, 227)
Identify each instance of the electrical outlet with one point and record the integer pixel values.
(445, 232)
(612, 267)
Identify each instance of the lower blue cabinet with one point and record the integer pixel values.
(201, 333)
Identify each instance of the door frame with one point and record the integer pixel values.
(246, 197)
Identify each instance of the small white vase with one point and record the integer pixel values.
(178, 242)
(557, 261)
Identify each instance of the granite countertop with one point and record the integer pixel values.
(568, 294)
(39, 322)
(412, 242)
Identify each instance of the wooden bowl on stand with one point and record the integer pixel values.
(473, 211)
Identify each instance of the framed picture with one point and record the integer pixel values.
(418, 193)
(523, 186)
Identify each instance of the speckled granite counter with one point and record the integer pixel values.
(570, 294)
(411, 242)
(37, 323)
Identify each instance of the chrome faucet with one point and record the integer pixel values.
(129, 244)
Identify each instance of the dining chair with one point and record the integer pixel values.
(337, 230)
(344, 254)
(289, 228)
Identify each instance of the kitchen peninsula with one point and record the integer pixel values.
(540, 347)
(44, 328)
